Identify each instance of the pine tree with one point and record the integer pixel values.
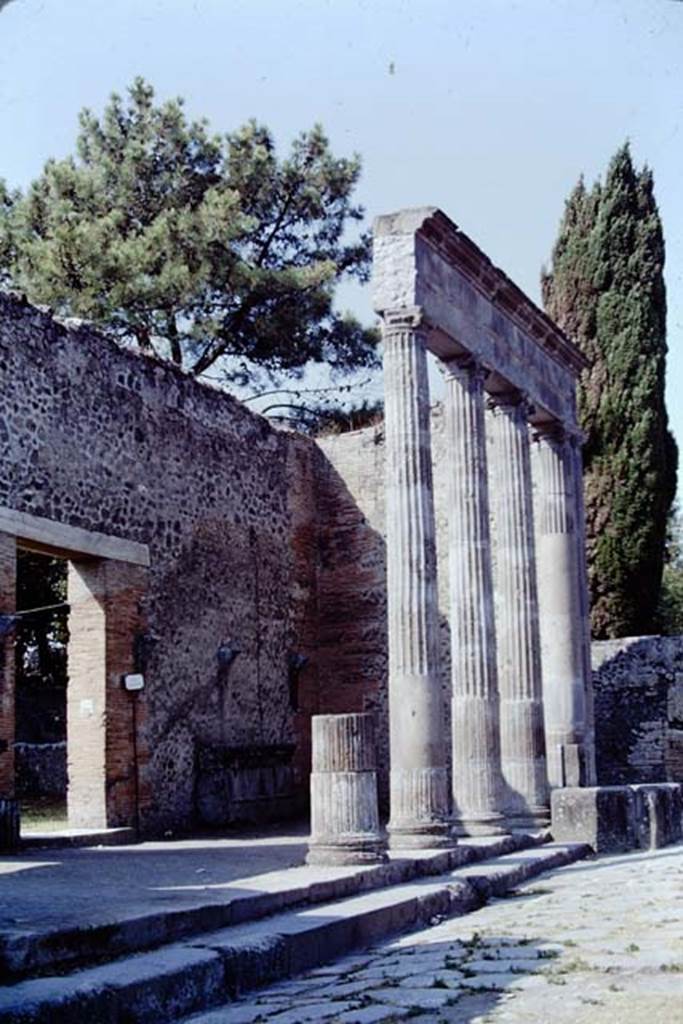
(606, 290)
(195, 247)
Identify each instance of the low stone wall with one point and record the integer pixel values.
(248, 785)
(617, 819)
(638, 687)
(41, 769)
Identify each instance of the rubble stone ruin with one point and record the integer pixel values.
(520, 666)
(411, 596)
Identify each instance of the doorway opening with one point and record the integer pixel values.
(41, 667)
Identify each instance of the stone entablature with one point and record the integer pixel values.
(422, 260)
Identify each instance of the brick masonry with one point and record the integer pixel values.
(96, 437)
(259, 539)
(353, 616)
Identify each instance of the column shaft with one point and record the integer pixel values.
(477, 779)
(344, 816)
(584, 612)
(518, 639)
(418, 780)
(560, 612)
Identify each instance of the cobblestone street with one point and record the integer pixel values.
(601, 941)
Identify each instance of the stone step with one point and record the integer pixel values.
(187, 977)
(76, 837)
(26, 952)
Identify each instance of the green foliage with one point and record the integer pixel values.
(606, 290)
(40, 648)
(194, 247)
(670, 608)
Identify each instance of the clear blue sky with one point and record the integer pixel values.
(489, 109)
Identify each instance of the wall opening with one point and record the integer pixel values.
(41, 673)
(72, 620)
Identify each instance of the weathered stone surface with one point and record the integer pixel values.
(591, 944)
(202, 971)
(638, 687)
(658, 813)
(476, 765)
(517, 626)
(353, 619)
(238, 785)
(614, 818)
(560, 609)
(344, 811)
(419, 801)
(602, 816)
(422, 258)
(101, 440)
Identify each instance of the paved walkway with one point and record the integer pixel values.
(600, 942)
(71, 887)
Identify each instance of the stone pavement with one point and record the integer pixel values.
(600, 942)
(73, 887)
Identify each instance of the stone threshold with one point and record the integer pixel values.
(28, 952)
(211, 969)
(76, 837)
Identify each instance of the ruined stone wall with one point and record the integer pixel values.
(96, 437)
(352, 654)
(638, 684)
(259, 539)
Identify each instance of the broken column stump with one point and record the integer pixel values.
(344, 813)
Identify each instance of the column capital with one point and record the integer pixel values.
(511, 398)
(463, 366)
(552, 430)
(403, 318)
(555, 430)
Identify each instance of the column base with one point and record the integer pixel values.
(480, 825)
(533, 820)
(361, 851)
(422, 836)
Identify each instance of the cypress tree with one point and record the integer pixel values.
(606, 290)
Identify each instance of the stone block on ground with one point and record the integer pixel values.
(602, 816)
(614, 819)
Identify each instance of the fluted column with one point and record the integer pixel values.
(344, 816)
(477, 779)
(517, 626)
(564, 699)
(419, 802)
(584, 610)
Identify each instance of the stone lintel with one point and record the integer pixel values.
(46, 534)
(422, 259)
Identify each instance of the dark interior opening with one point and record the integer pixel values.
(41, 643)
